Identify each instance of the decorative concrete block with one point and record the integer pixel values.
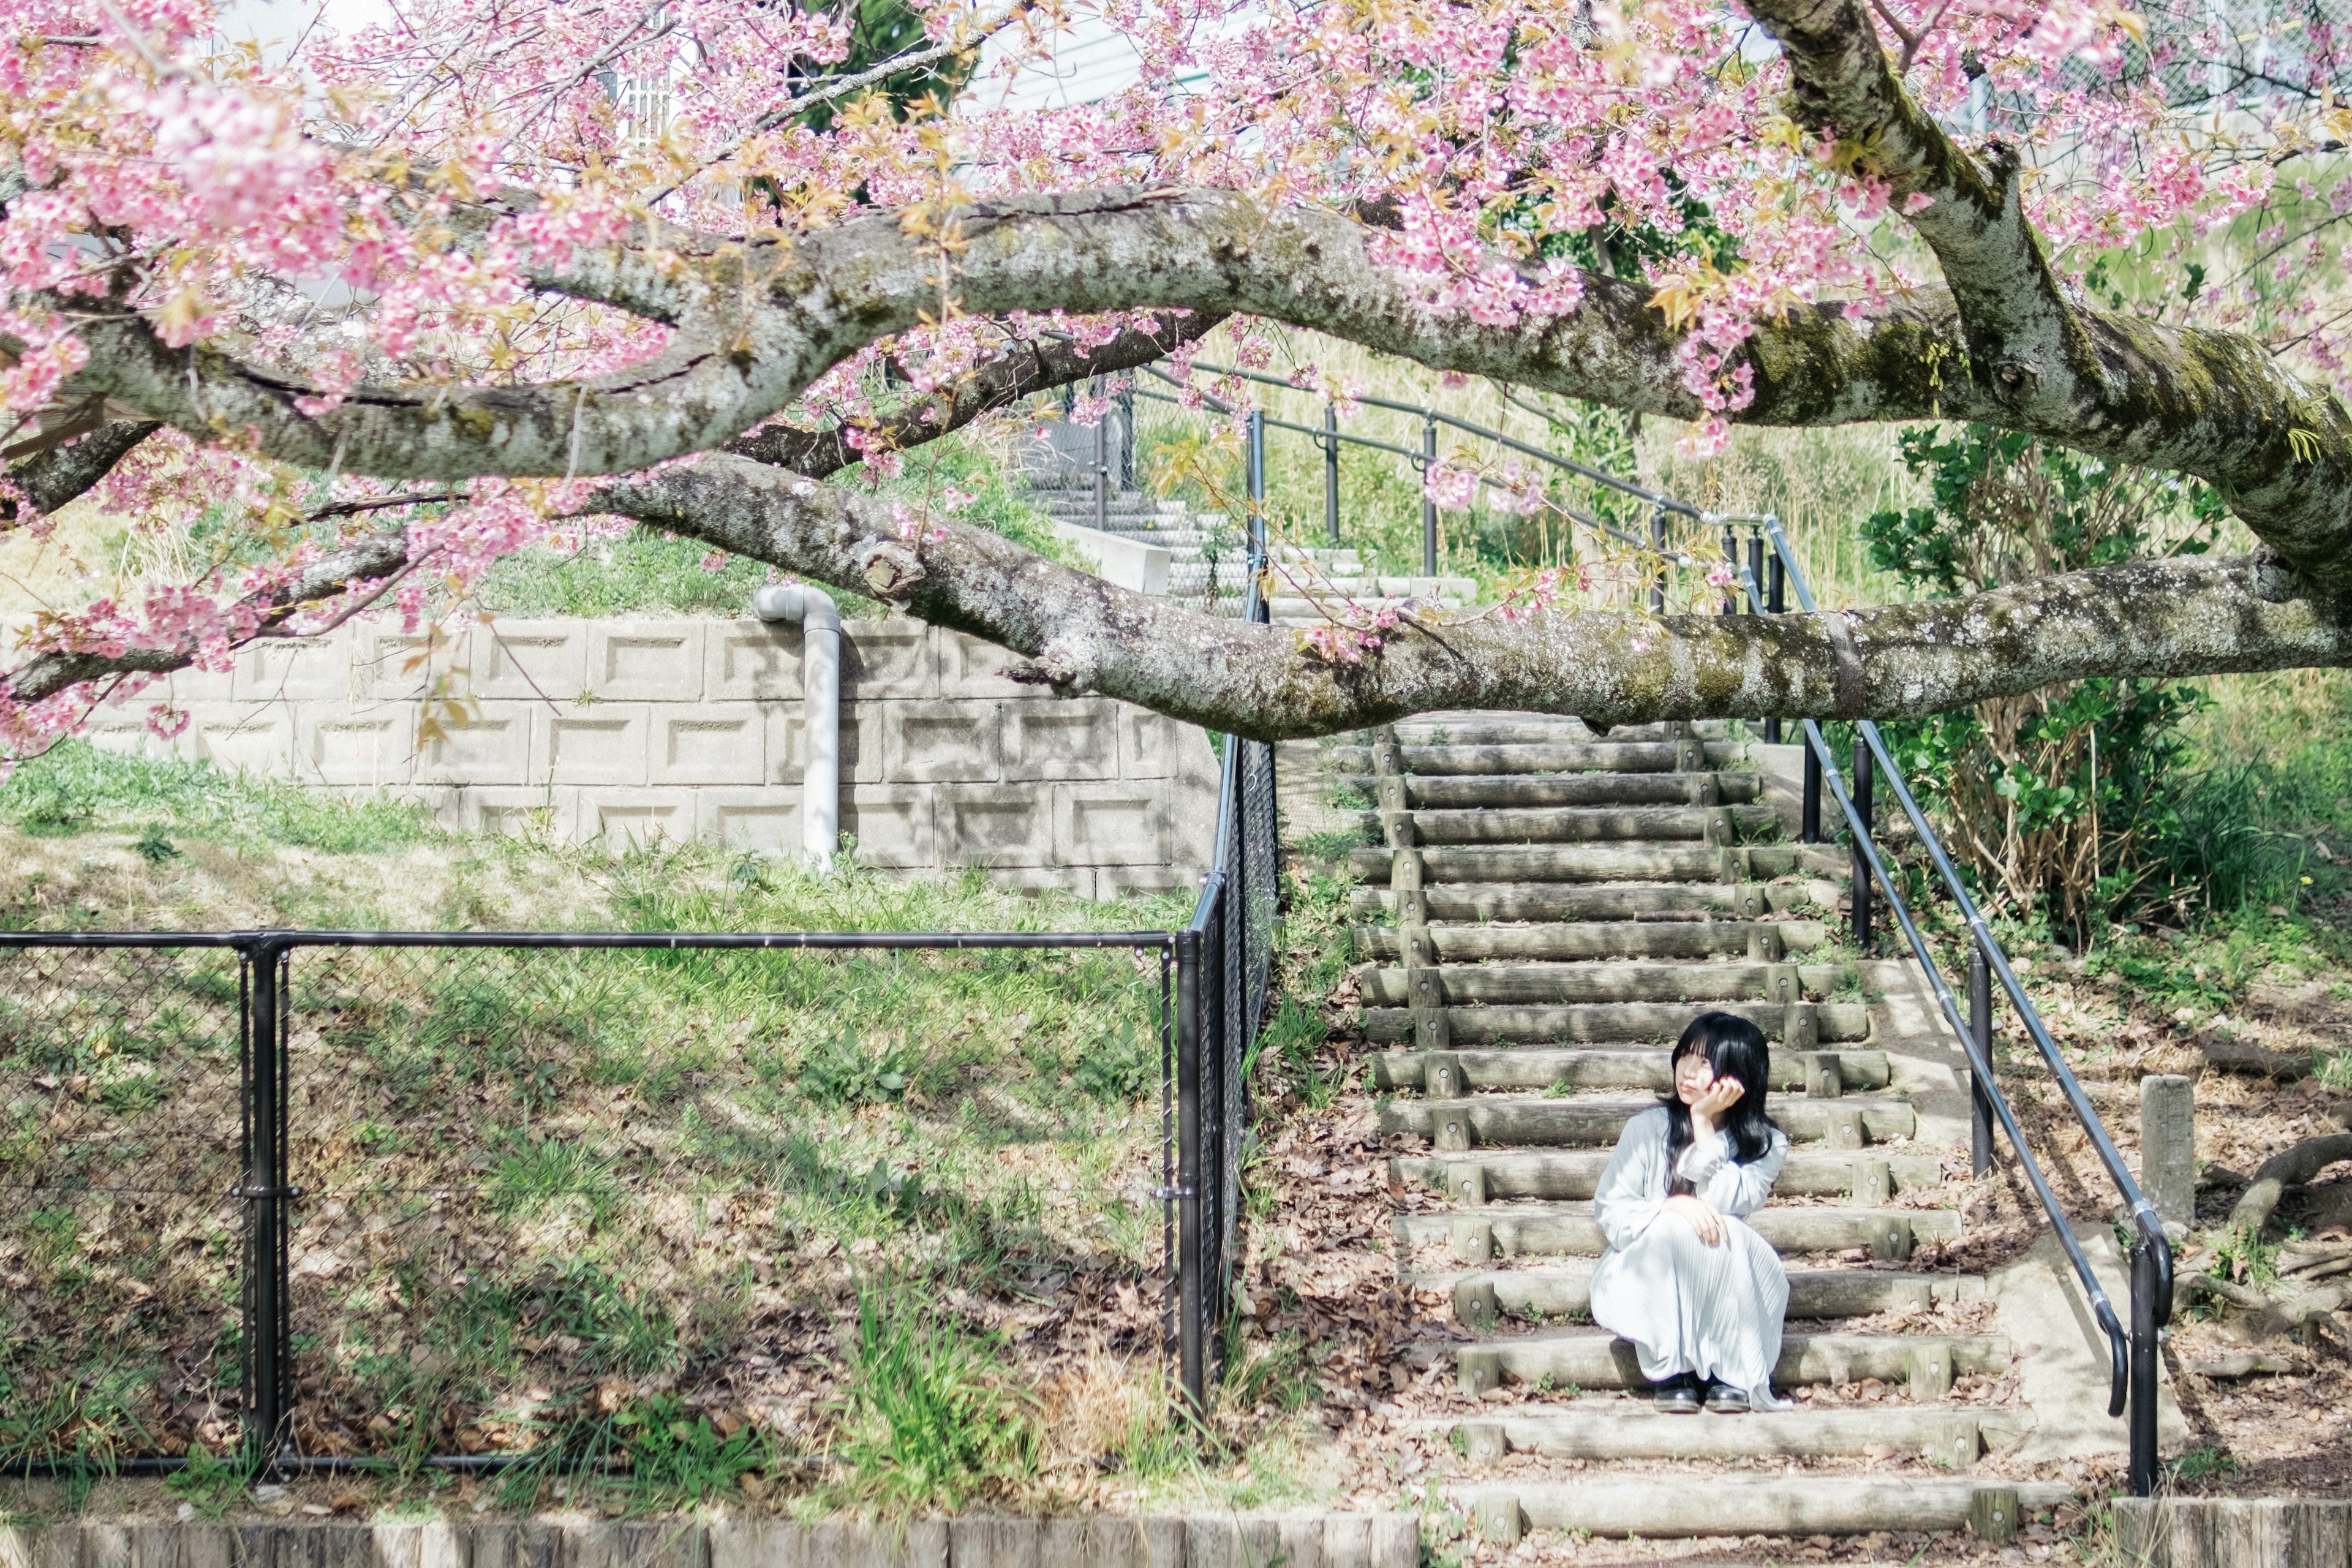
(393, 664)
(1110, 881)
(859, 737)
(706, 744)
(1112, 824)
(892, 825)
(539, 661)
(931, 743)
(751, 661)
(126, 730)
(494, 746)
(594, 744)
(646, 661)
(1061, 740)
(336, 746)
(1149, 744)
(766, 820)
(292, 669)
(514, 813)
(242, 738)
(183, 687)
(888, 658)
(1079, 882)
(634, 818)
(971, 667)
(993, 825)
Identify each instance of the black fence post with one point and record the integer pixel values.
(264, 1190)
(1331, 470)
(1861, 833)
(1102, 462)
(1428, 507)
(1256, 485)
(2144, 1285)
(1192, 1234)
(1980, 1032)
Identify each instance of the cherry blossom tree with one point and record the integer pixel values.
(387, 305)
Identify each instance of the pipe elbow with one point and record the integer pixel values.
(798, 604)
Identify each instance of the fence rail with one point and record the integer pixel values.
(199, 1112)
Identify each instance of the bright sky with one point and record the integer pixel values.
(1094, 59)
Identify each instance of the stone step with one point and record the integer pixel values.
(1459, 943)
(1563, 1287)
(1608, 863)
(1542, 1068)
(1519, 1230)
(1607, 1429)
(1493, 1120)
(1482, 728)
(1449, 792)
(1612, 1023)
(1460, 984)
(1339, 603)
(1548, 757)
(1806, 1174)
(1595, 1359)
(1584, 824)
(1676, 1507)
(1554, 901)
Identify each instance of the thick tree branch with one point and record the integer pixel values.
(367, 560)
(2153, 618)
(50, 477)
(2215, 404)
(757, 324)
(1027, 367)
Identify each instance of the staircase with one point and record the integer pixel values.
(1542, 909)
(1309, 585)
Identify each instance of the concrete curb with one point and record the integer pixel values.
(1102, 1540)
(2234, 1532)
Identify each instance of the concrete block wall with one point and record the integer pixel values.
(632, 729)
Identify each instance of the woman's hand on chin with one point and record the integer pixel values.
(1700, 1216)
(1720, 1096)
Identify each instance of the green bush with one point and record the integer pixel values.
(2072, 803)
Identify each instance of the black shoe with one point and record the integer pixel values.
(1722, 1399)
(1678, 1395)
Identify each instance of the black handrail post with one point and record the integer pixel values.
(263, 1190)
(1658, 548)
(1809, 822)
(2145, 1288)
(1863, 828)
(1331, 470)
(1428, 505)
(1192, 1238)
(1102, 461)
(1767, 606)
(1980, 1032)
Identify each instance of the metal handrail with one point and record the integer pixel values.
(2132, 1375)
(2132, 1354)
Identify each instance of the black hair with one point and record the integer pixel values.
(1735, 1049)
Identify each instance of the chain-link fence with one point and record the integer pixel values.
(122, 1230)
(403, 1199)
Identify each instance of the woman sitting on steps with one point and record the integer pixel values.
(1699, 1293)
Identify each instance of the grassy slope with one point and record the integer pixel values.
(638, 1202)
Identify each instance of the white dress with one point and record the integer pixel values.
(1688, 1307)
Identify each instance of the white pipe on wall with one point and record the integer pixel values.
(813, 610)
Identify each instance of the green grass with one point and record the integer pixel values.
(74, 788)
(553, 1200)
